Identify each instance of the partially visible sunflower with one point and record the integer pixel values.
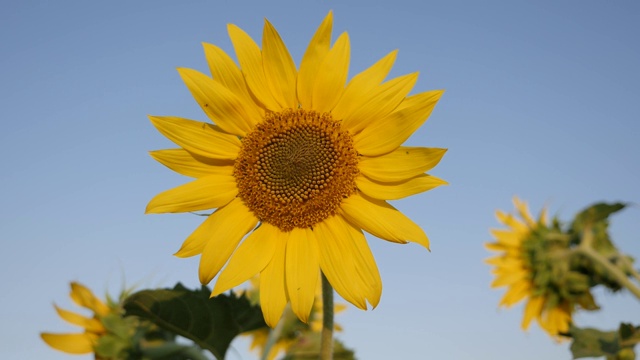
(292, 328)
(85, 342)
(525, 267)
(302, 161)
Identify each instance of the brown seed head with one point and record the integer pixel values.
(295, 168)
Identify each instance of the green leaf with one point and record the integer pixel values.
(629, 334)
(595, 213)
(212, 323)
(591, 342)
(614, 345)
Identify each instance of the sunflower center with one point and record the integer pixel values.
(295, 168)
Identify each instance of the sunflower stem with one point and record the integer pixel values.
(326, 342)
(635, 274)
(586, 250)
(274, 335)
(629, 267)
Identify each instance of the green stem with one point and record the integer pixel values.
(629, 267)
(635, 274)
(194, 353)
(586, 250)
(274, 334)
(326, 342)
(171, 349)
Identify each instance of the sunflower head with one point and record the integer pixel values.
(299, 163)
(107, 333)
(535, 265)
(93, 326)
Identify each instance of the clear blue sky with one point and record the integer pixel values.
(541, 102)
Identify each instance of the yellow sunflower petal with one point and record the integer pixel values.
(507, 237)
(494, 246)
(250, 59)
(204, 193)
(516, 293)
(532, 310)
(279, 68)
(332, 76)
(302, 271)
(222, 106)
(523, 210)
(382, 136)
(71, 343)
(225, 71)
(366, 267)
(281, 345)
(250, 258)
(382, 220)
(564, 318)
(259, 338)
(195, 243)
(361, 84)
(82, 296)
(197, 137)
(380, 103)
(398, 189)
(510, 277)
(183, 162)
(402, 164)
(273, 296)
(511, 221)
(337, 260)
(504, 261)
(90, 324)
(231, 224)
(313, 57)
(555, 321)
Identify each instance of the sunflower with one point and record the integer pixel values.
(525, 267)
(300, 160)
(81, 343)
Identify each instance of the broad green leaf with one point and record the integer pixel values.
(614, 345)
(591, 342)
(595, 213)
(212, 323)
(629, 334)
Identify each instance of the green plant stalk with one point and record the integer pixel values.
(170, 349)
(635, 274)
(326, 340)
(586, 250)
(630, 268)
(274, 335)
(194, 353)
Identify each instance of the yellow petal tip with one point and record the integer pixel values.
(149, 210)
(179, 254)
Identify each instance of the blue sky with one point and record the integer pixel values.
(541, 101)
